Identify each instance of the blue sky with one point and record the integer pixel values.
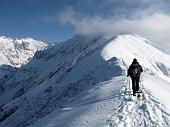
(58, 20)
(38, 18)
(29, 18)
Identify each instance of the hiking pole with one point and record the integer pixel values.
(141, 85)
(128, 85)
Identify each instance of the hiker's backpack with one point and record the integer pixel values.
(134, 70)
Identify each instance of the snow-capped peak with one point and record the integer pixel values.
(17, 52)
(128, 47)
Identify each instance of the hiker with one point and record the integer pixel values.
(134, 72)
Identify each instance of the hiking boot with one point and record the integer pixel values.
(134, 94)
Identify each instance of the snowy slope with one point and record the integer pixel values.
(83, 83)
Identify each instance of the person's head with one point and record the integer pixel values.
(135, 60)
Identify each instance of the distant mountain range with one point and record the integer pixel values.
(17, 52)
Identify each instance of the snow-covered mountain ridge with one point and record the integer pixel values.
(17, 52)
(82, 83)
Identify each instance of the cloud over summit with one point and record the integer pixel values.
(148, 18)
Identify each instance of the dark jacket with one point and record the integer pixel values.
(135, 65)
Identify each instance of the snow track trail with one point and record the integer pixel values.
(110, 104)
(138, 112)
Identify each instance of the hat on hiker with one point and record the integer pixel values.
(135, 61)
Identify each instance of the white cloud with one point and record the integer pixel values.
(67, 16)
(155, 26)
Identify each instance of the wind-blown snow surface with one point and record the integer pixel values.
(83, 83)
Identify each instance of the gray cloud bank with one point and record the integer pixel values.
(152, 20)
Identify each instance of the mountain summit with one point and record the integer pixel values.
(82, 83)
(17, 52)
